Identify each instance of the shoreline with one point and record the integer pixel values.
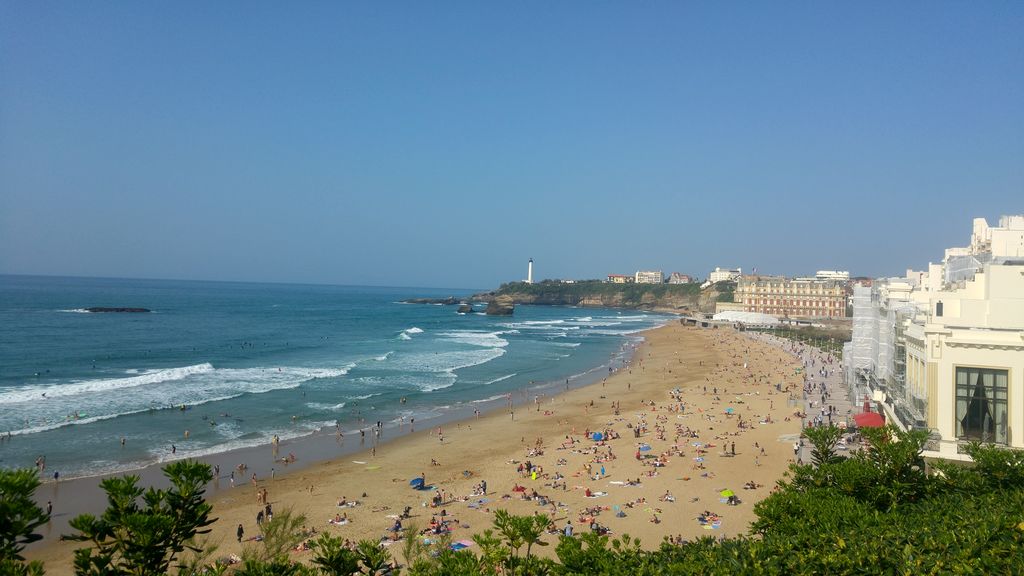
(483, 446)
(82, 494)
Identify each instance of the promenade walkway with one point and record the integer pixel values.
(824, 390)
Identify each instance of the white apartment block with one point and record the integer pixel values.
(649, 277)
(841, 275)
(943, 350)
(720, 275)
(965, 353)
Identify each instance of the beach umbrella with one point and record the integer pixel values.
(726, 493)
(416, 482)
(598, 436)
(729, 410)
(869, 420)
(644, 447)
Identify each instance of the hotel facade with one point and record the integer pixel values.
(792, 297)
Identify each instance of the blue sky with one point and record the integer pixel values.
(444, 143)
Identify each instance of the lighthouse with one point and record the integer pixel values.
(529, 271)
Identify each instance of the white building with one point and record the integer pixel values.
(649, 277)
(721, 275)
(842, 275)
(943, 349)
(679, 278)
(965, 356)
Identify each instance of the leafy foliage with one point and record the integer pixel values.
(129, 538)
(824, 440)
(19, 517)
(281, 533)
(333, 558)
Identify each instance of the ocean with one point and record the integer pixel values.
(235, 364)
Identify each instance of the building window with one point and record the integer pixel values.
(981, 405)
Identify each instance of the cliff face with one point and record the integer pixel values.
(678, 297)
(501, 306)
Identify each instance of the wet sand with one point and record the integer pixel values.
(691, 430)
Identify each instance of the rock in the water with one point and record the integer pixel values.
(501, 306)
(103, 309)
(465, 308)
(449, 301)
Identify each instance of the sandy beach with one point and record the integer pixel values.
(696, 412)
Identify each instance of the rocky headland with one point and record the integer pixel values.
(598, 294)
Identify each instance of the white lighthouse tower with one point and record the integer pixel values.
(529, 272)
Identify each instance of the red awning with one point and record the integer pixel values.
(869, 420)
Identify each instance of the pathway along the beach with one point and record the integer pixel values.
(824, 386)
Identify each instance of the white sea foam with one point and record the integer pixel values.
(36, 393)
(447, 361)
(430, 387)
(429, 371)
(384, 356)
(592, 323)
(366, 396)
(327, 407)
(567, 344)
(246, 440)
(490, 399)
(496, 380)
(615, 332)
(92, 401)
(408, 332)
(476, 338)
(76, 311)
(640, 318)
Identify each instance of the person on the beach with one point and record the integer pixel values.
(240, 532)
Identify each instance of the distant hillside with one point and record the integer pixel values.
(596, 293)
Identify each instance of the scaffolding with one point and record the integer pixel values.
(876, 352)
(960, 268)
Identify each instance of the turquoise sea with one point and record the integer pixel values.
(236, 363)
